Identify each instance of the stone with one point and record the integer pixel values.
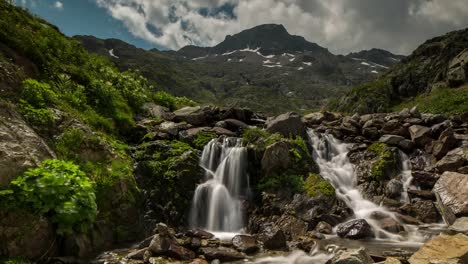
(391, 225)
(444, 144)
(452, 188)
(442, 249)
(422, 210)
(223, 254)
(420, 135)
(314, 118)
(157, 111)
(288, 124)
(414, 111)
(20, 147)
(276, 157)
(390, 261)
(397, 141)
(457, 69)
(454, 160)
(352, 256)
(355, 229)
(137, 254)
(202, 234)
(324, 228)
(196, 115)
(178, 252)
(234, 124)
(437, 129)
(405, 112)
(424, 179)
(222, 132)
(199, 261)
(393, 188)
(243, 114)
(244, 243)
(459, 226)
(273, 240)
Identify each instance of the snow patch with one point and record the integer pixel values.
(200, 58)
(300, 68)
(111, 53)
(381, 66)
(365, 63)
(375, 72)
(273, 66)
(241, 60)
(229, 60)
(291, 60)
(357, 59)
(394, 59)
(307, 63)
(229, 53)
(267, 61)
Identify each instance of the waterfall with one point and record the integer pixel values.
(406, 176)
(217, 203)
(331, 157)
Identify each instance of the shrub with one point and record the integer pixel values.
(202, 138)
(41, 117)
(37, 94)
(385, 163)
(165, 99)
(60, 190)
(69, 142)
(314, 185)
(276, 182)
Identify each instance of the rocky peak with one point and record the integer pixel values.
(379, 56)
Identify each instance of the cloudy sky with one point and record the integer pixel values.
(341, 26)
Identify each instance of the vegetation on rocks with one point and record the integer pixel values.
(202, 138)
(58, 189)
(386, 161)
(315, 185)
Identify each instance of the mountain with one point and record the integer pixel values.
(434, 77)
(376, 57)
(263, 68)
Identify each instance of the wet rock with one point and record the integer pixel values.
(423, 210)
(443, 249)
(437, 129)
(420, 135)
(273, 240)
(371, 133)
(351, 256)
(444, 144)
(391, 225)
(423, 194)
(287, 124)
(393, 188)
(244, 243)
(452, 188)
(424, 179)
(223, 254)
(178, 252)
(459, 226)
(202, 234)
(306, 244)
(137, 254)
(323, 227)
(408, 219)
(355, 229)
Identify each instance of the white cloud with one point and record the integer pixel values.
(58, 5)
(340, 25)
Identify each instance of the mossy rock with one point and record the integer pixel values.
(315, 186)
(386, 163)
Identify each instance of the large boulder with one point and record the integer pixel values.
(459, 226)
(244, 243)
(273, 239)
(276, 157)
(444, 144)
(458, 70)
(452, 188)
(196, 115)
(355, 229)
(352, 256)
(397, 141)
(288, 124)
(454, 160)
(443, 249)
(157, 111)
(420, 135)
(20, 147)
(423, 210)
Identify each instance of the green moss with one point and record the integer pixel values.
(314, 186)
(296, 155)
(284, 181)
(15, 261)
(202, 138)
(448, 101)
(385, 162)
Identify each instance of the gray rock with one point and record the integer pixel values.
(222, 132)
(398, 141)
(20, 147)
(420, 135)
(444, 144)
(323, 227)
(452, 188)
(460, 226)
(415, 112)
(355, 229)
(223, 254)
(457, 69)
(234, 124)
(196, 115)
(157, 111)
(393, 188)
(314, 118)
(451, 162)
(276, 157)
(273, 240)
(352, 256)
(423, 210)
(288, 124)
(244, 243)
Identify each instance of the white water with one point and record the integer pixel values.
(331, 157)
(406, 176)
(217, 203)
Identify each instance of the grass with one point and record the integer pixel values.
(440, 101)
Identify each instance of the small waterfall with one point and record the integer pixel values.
(217, 203)
(331, 157)
(406, 176)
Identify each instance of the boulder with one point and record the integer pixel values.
(452, 188)
(393, 188)
(198, 233)
(273, 240)
(314, 118)
(222, 131)
(324, 228)
(420, 135)
(457, 69)
(444, 144)
(423, 210)
(20, 147)
(397, 141)
(234, 124)
(391, 225)
(288, 124)
(424, 179)
(223, 254)
(459, 226)
(454, 160)
(443, 249)
(276, 157)
(351, 256)
(414, 111)
(157, 111)
(137, 254)
(242, 114)
(244, 243)
(196, 115)
(355, 229)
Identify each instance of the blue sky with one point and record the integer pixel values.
(84, 17)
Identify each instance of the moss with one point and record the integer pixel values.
(295, 154)
(284, 181)
(202, 138)
(15, 261)
(314, 186)
(386, 161)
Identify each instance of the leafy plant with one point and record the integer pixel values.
(60, 190)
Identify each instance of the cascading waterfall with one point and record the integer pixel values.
(217, 203)
(331, 157)
(406, 176)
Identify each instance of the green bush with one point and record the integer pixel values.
(172, 102)
(60, 190)
(277, 182)
(202, 138)
(314, 185)
(14, 261)
(40, 117)
(37, 94)
(69, 142)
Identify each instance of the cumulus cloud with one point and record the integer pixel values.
(58, 5)
(340, 25)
